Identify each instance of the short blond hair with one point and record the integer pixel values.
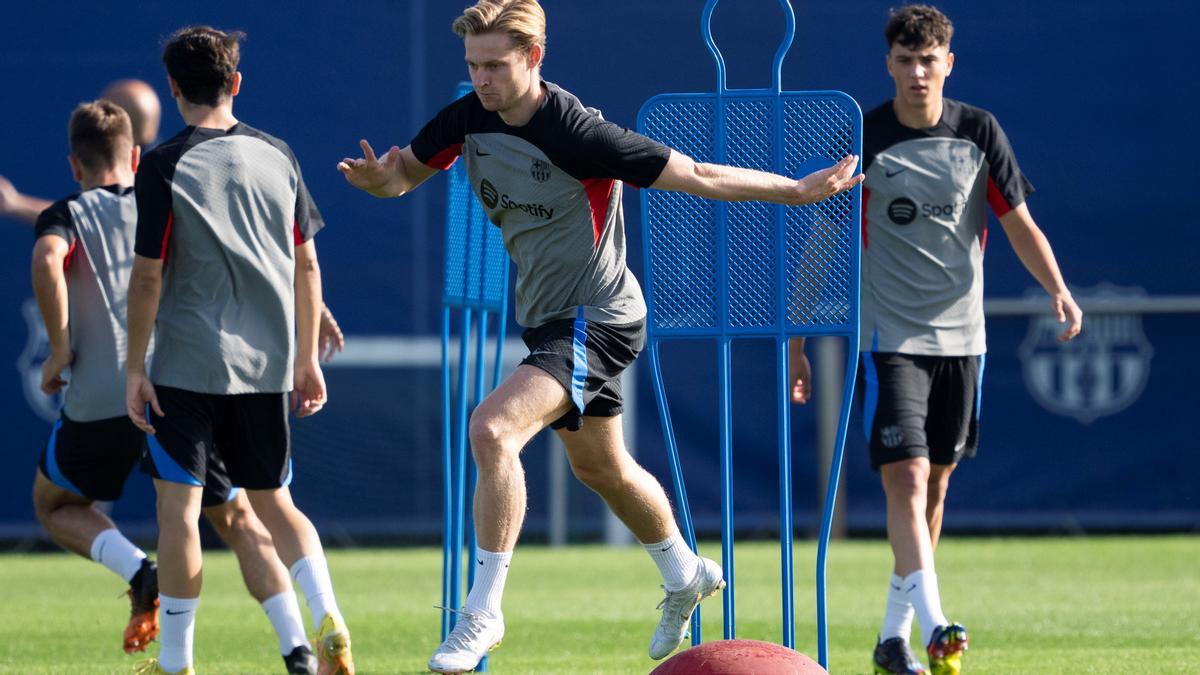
(522, 20)
(100, 135)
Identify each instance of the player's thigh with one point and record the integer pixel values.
(254, 441)
(597, 446)
(179, 450)
(898, 405)
(952, 428)
(524, 403)
(91, 459)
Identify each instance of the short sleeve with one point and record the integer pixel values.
(607, 150)
(440, 142)
(1007, 186)
(152, 189)
(308, 219)
(56, 220)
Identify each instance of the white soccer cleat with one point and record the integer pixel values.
(472, 638)
(678, 606)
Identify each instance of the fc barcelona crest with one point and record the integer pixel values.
(1101, 372)
(540, 170)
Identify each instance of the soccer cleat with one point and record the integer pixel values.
(143, 614)
(473, 637)
(893, 655)
(151, 667)
(678, 606)
(301, 661)
(333, 648)
(946, 648)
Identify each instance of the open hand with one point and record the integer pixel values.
(823, 184)
(138, 392)
(329, 336)
(371, 174)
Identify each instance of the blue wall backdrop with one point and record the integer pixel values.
(1094, 98)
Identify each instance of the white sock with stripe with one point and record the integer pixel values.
(111, 549)
(676, 562)
(491, 571)
(177, 626)
(897, 620)
(922, 591)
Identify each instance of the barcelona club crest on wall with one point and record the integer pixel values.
(540, 170)
(1101, 372)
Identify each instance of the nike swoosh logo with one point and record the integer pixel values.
(910, 588)
(889, 174)
(479, 560)
(100, 553)
(668, 548)
(480, 153)
(895, 587)
(170, 613)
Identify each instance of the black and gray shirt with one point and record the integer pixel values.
(925, 204)
(98, 225)
(224, 210)
(553, 186)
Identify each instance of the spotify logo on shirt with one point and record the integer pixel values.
(902, 211)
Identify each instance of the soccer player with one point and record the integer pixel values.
(225, 270)
(81, 265)
(549, 172)
(933, 167)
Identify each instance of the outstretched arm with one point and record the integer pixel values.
(19, 206)
(396, 173)
(1035, 253)
(50, 289)
(733, 184)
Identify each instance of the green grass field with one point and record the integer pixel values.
(1081, 605)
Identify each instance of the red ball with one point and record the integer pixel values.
(732, 657)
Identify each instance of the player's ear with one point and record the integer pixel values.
(135, 157)
(76, 168)
(174, 86)
(949, 63)
(536, 53)
(237, 84)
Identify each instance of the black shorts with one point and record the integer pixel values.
(93, 460)
(245, 436)
(921, 406)
(587, 358)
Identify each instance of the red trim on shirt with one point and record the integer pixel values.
(999, 204)
(445, 159)
(70, 254)
(599, 191)
(983, 242)
(866, 197)
(167, 236)
(297, 238)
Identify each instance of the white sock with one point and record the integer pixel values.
(177, 625)
(283, 611)
(897, 620)
(491, 571)
(312, 575)
(676, 562)
(922, 591)
(111, 549)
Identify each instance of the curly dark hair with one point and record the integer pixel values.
(916, 26)
(202, 60)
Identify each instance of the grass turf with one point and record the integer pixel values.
(1079, 605)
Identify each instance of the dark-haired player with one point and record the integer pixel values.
(224, 238)
(933, 168)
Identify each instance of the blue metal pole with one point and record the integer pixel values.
(729, 615)
(460, 472)
(480, 369)
(447, 472)
(785, 497)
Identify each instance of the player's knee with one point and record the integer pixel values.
(599, 476)
(174, 511)
(906, 479)
(488, 439)
(48, 498)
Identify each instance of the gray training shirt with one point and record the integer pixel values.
(224, 210)
(98, 224)
(553, 186)
(925, 204)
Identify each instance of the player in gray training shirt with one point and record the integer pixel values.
(550, 173)
(81, 267)
(933, 168)
(224, 236)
